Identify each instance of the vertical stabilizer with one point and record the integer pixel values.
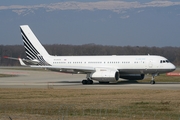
(33, 48)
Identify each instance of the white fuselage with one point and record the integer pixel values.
(131, 64)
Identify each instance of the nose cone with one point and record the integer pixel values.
(172, 67)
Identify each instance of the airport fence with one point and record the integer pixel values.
(76, 111)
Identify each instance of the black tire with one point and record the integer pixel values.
(89, 82)
(152, 82)
(84, 82)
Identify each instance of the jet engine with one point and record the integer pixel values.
(132, 76)
(105, 75)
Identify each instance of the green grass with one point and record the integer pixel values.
(89, 104)
(7, 75)
(162, 78)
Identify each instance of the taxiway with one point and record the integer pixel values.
(47, 79)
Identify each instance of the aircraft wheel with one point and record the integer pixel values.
(152, 82)
(89, 82)
(84, 82)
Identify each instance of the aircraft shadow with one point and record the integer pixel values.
(117, 83)
(66, 82)
(97, 83)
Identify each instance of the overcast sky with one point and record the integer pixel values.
(104, 22)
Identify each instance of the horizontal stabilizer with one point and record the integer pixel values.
(21, 62)
(32, 62)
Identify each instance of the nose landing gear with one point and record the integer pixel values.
(152, 80)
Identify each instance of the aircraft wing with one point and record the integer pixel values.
(68, 69)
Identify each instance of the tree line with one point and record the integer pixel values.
(172, 53)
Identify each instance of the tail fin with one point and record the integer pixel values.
(33, 48)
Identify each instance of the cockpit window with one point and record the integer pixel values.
(164, 61)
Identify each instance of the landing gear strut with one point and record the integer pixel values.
(88, 81)
(152, 80)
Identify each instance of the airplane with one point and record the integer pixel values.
(101, 68)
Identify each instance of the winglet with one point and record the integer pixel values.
(5, 56)
(21, 62)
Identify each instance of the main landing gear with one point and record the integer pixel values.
(88, 81)
(152, 80)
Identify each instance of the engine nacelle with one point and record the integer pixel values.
(132, 76)
(105, 75)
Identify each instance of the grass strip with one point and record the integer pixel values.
(89, 104)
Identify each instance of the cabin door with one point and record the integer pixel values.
(150, 63)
